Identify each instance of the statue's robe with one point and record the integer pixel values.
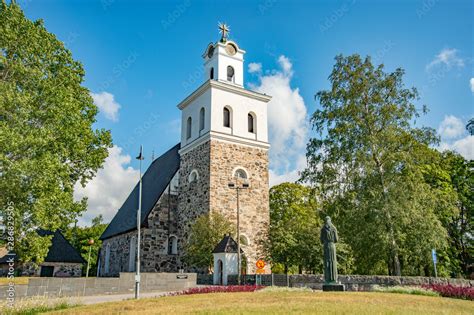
(329, 240)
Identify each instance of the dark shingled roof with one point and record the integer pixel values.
(227, 245)
(61, 250)
(154, 182)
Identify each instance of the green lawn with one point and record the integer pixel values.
(283, 303)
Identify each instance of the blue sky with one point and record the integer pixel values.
(146, 57)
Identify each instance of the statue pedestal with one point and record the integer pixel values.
(333, 287)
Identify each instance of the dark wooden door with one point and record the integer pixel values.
(47, 271)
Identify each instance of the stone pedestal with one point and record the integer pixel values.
(334, 287)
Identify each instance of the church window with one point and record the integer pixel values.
(240, 173)
(193, 176)
(132, 257)
(211, 74)
(173, 245)
(201, 119)
(227, 117)
(188, 127)
(107, 258)
(230, 74)
(251, 122)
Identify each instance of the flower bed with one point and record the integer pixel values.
(220, 289)
(448, 290)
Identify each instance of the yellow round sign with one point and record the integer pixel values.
(260, 264)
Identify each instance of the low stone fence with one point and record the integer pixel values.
(352, 282)
(100, 286)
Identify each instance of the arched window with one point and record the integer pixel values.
(230, 74)
(193, 176)
(107, 258)
(240, 173)
(173, 245)
(251, 122)
(227, 117)
(188, 127)
(211, 74)
(132, 257)
(202, 113)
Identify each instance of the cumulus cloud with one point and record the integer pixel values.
(107, 105)
(454, 137)
(471, 82)
(451, 127)
(287, 120)
(107, 191)
(255, 67)
(447, 57)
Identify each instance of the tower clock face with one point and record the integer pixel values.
(210, 52)
(230, 49)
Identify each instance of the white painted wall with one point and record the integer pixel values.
(192, 110)
(229, 266)
(221, 59)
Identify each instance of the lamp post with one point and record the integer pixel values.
(139, 219)
(238, 188)
(91, 242)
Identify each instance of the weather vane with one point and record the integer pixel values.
(224, 29)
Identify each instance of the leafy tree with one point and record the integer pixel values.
(206, 232)
(293, 236)
(79, 238)
(366, 160)
(47, 143)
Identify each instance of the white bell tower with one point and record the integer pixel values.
(224, 60)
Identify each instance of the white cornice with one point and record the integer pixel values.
(224, 87)
(223, 137)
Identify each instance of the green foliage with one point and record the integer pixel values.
(367, 162)
(206, 232)
(405, 290)
(293, 237)
(79, 238)
(47, 143)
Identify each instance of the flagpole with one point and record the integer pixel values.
(139, 220)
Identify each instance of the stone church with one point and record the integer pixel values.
(224, 139)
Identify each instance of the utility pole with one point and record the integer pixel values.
(238, 188)
(139, 220)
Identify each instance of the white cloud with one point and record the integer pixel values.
(107, 191)
(447, 57)
(454, 137)
(255, 67)
(472, 84)
(107, 104)
(451, 127)
(287, 120)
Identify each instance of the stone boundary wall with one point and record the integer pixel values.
(352, 282)
(57, 287)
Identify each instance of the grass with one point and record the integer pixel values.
(406, 290)
(37, 305)
(16, 280)
(283, 302)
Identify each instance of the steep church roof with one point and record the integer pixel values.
(154, 182)
(61, 250)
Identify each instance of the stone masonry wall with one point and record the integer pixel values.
(254, 201)
(161, 224)
(193, 199)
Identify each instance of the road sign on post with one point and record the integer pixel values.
(435, 261)
(260, 269)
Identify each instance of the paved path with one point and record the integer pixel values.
(116, 297)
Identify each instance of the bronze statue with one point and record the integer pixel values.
(329, 240)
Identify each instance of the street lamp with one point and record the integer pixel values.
(139, 219)
(91, 242)
(238, 188)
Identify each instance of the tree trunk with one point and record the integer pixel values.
(300, 269)
(286, 269)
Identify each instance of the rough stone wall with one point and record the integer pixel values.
(193, 199)
(60, 269)
(254, 201)
(160, 224)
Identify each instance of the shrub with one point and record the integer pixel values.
(448, 290)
